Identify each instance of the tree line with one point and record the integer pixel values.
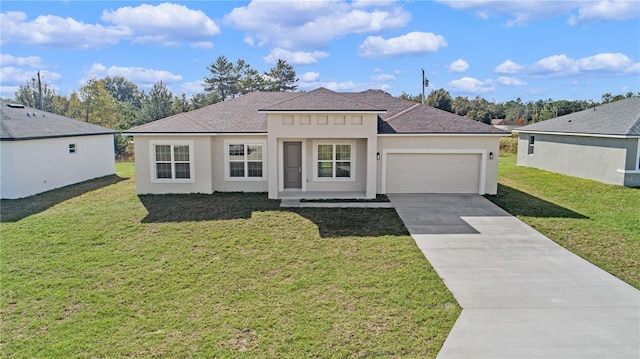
(118, 103)
(522, 113)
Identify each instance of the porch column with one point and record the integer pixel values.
(272, 160)
(372, 166)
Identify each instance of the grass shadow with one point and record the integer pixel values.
(331, 222)
(204, 207)
(13, 210)
(520, 203)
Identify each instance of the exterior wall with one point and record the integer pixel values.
(220, 184)
(359, 127)
(201, 161)
(473, 144)
(632, 169)
(34, 166)
(601, 159)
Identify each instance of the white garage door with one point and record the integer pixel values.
(433, 172)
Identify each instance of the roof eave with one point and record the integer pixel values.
(323, 111)
(583, 134)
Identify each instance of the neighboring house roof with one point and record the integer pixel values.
(620, 118)
(247, 114)
(18, 122)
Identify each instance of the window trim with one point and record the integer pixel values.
(352, 176)
(172, 143)
(531, 143)
(227, 161)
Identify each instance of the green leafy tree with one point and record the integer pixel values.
(409, 97)
(281, 77)
(224, 78)
(122, 90)
(181, 104)
(461, 105)
(158, 103)
(29, 95)
(98, 105)
(204, 99)
(441, 99)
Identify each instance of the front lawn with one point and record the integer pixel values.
(599, 222)
(94, 270)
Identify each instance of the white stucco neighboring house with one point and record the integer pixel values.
(41, 151)
(316, 144)
(601, 143)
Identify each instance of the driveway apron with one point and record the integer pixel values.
(523, 295)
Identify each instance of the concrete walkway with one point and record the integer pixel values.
(523, 296)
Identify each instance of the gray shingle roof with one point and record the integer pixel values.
(26, 123)
(620, 118)
(247, 114)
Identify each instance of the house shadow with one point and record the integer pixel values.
(520, 203)
(13, 210)
(331, 222)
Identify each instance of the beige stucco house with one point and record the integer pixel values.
(317, 144)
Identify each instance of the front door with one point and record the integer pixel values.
(292, 165)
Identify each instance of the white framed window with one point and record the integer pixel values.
(73, 148)
(172, 161)
(334, 161)
(532, 143)
(245, 160)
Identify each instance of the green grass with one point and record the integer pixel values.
(94, 270)
(599, 222)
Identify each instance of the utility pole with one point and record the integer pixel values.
(40, 92)
(425, 83)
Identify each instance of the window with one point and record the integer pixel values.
(532, 141)
(245, 161)
(73, 148)
(172, 161)
(334, 161)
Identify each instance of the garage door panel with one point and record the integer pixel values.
(432, 173)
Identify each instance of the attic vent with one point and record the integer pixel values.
(15, 105)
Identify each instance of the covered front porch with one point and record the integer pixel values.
(322, 195)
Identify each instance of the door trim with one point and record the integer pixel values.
(281, 168)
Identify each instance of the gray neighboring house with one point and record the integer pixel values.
(600, 143)
(316, 144)
(41, 151)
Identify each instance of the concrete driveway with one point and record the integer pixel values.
(523, 296)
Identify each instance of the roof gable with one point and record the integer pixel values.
(322, 99)
(25, 123)
(620, 118)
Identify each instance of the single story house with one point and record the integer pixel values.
(317, 144)
(601, 143)
(40, 151)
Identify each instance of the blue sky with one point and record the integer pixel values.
(500, 50)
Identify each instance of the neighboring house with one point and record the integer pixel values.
(601, 143)
(317, 144)
(506, 125)
(41, 151)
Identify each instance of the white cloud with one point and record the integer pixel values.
(55, 31)
(294, 58)
(315, 24)
(606, 11)
(521, 13)
(192, 87)
(166, 23)
(413, 43)
(471, 85)
(309, 76)
(11, 75)
(562, 65)
(29, 61)
(382, 77)
(510, 81)
(138, 75)
(459, 66)
(508, 67)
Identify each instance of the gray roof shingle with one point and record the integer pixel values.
(620, 118)
(247, 114)
(26, 123)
